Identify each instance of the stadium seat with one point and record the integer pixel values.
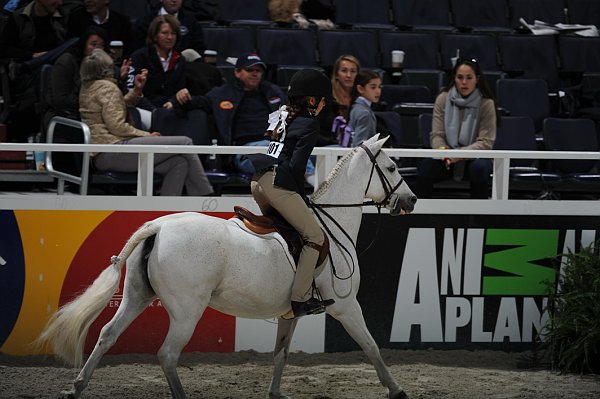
(363, 14)
(425, 121)
(421, 49)
(361, 44)
(572, 134)
(76, 167)
(228, 41)
(422, 14)
(488, 15)
(395, 94)
(482, 46)
(549, 11)
(579, 54)
(279, 46)
(243, 10)
(524, 97)
(529, 56)
(584, 12)
(517, 133)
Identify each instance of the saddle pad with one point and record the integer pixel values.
(268, 236)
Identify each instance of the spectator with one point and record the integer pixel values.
(32, 36)
(367, 90)
(464, 117)
(241, 109)
(32, 31)
(65, 82)
(96, 12)
(104, 109)
(200, 76)
(190, 36)
(165, 65)
(345, 69)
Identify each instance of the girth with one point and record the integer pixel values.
(276, 223)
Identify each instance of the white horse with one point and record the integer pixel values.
(197, 261)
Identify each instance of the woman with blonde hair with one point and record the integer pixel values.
(337, 110)
(104, 109)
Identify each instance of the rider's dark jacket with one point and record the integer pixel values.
(301, 137)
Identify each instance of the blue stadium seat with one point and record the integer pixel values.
(279, 46)
(243, 10)
(579, 54)
(488, 15)
(363, 14)
(524, 97)
(228, 41)
(422, 14)
(361, 44)
(550, 11)
(584, 12)
(530, 56)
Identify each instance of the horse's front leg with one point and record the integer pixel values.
(350, 315)
(285, 330)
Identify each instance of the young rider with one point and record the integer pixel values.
(279, 180)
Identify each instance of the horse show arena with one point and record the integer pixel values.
(425, 374)
(475, 356)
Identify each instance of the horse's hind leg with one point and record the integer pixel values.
(285, 330)
(136, 297)
(353, 321)
(183, 318)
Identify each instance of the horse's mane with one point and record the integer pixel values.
(323, 187)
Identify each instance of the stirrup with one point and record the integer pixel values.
(311, 306)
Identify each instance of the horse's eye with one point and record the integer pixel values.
(391, 168)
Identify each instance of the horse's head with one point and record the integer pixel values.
(386, 186)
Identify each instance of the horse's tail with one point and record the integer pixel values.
(67, 329)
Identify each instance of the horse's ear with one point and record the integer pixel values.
(378, 144)
(372, 139)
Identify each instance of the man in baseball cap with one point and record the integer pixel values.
(248, 61)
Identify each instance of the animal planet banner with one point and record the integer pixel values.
(48, 257)
(460, 281)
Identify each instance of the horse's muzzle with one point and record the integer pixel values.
(402, 205)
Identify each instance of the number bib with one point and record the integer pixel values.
(274, 149)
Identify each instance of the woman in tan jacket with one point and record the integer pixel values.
(464, 117)
(104, 109)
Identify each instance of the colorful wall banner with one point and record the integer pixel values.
(439, 281)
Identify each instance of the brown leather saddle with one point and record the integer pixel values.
(274, 222)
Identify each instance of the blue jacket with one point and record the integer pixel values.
(223, 102)
(362, 121)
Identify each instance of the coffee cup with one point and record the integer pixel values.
(397, 58)
(116, 47)
(210, 56)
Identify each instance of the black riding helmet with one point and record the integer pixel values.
(309, 82)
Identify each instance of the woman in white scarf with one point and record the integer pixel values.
(464, 117)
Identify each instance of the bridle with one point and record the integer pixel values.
(387, 186)
(319, 209)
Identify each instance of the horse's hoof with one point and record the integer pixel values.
(67, 395)
(400, 395)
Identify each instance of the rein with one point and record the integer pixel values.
(320, 208)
